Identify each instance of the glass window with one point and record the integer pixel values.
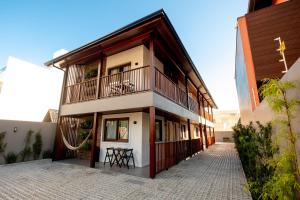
(116, 130)
(183, 132)
(123, 129)
(111, 127)
(158, 130)
(196, 131)
(119, 69)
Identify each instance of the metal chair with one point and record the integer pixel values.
(127, 155)
(109, 155)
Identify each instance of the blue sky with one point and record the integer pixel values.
(33, 30)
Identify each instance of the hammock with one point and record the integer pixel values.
(67, 144)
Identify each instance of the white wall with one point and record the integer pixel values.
(134, 138)
(29, 91)
(133, 56)
(264, 114)
(15, 140)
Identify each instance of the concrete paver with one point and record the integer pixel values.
(215, 173)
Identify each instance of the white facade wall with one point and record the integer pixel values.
(134, 137)
(138, 136)
(29, 91)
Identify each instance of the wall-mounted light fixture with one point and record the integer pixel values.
(134, 122)
(15, 129)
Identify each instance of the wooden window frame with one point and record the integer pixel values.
(117, 130)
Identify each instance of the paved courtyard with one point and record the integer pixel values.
(215, 173)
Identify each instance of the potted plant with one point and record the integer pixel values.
(92, 73)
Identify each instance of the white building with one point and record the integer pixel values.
(28, 91)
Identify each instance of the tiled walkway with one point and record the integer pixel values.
(213, 174)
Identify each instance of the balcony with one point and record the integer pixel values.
(126, 83)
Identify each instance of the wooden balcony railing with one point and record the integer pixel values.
(170, 153)
(128, 82)
(193, 105)
(131, 81)
(208, 116)
(169, 89)
(83, 91)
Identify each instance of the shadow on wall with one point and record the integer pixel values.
(24, 141)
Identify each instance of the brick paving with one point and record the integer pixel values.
(215, 173)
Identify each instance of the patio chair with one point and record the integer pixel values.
(109, 155)
(128, 154)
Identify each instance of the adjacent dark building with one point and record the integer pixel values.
(256, 55)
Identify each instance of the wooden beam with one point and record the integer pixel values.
(201, 136)
(101, 72)
(98, 78)
(94, 142)
(152, 171)
(187, 91)
(127, 42)
(199, 110)
(58, 148)
(205, 135)
(152, 63)
(190, 138)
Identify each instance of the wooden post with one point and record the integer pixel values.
(98, 78)
(201, 137)
(214, 135)
(101, 72)
(152, 64)
(212, 114)
(58, 148)
(199, 110)
(152, 171)
(94, 142)
(205, 135)
(187, 92)
(190, 138)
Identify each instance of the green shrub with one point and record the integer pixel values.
(27, 151)
(87, 123)
(285, 184)
(37, 146)
(91, 73)
(47, 154)
(2, 143)
(255, 149)
(11, 157)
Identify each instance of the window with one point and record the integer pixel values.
(183, 132)
(116, 130)
(118, 69)
(158, 130)
(196, 131)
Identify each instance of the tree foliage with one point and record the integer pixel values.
(285, 184)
